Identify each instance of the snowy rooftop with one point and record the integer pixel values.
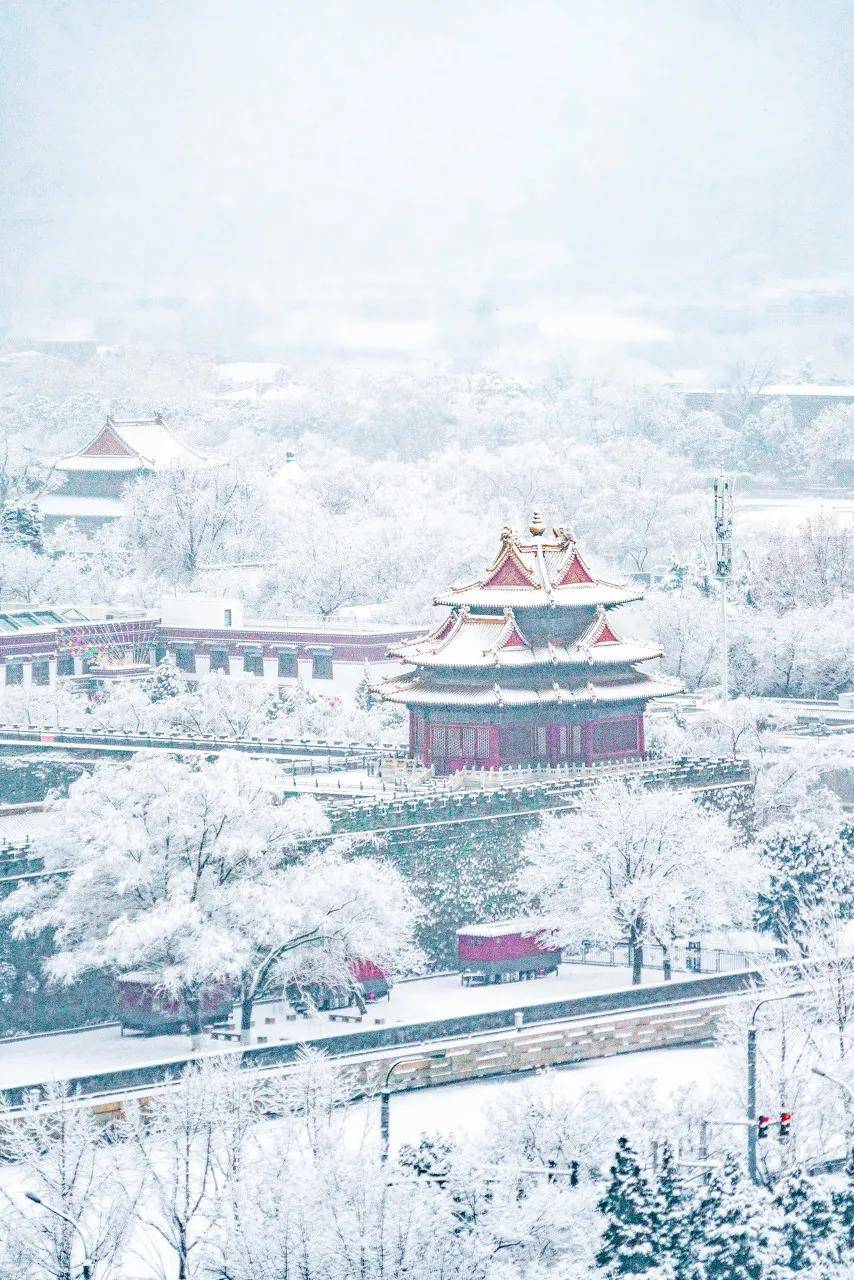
(527, 926)
(544, 570)
(468, 639)
(126, 444)
(69, 507)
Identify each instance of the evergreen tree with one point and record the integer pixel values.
(807, 1223)
(22, 526)
(806, 872)
(164, 682)
(628, 1241)
(365, 696)
(673, 1205)
(730, 1239)
(843, 1208)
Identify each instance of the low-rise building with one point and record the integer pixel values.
(203, 636)
(95, 478)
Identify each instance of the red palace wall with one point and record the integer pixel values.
(450, 746)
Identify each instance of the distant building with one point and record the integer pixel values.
(95, 477)
(806, 399)
(528, 666)
(202, 636)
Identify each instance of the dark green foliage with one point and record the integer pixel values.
(807, 872)
(730, 1235)
(843, 1208)
(807, 1222)
(22, 526)
(673, 1204)
(431, 1157)
(631, 1221)
(164, 682)
(365, 696)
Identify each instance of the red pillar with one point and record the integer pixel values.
(641, 737)
(587, 741)
(494, 761)
(425, 746)
(553, 743)
(412, 716)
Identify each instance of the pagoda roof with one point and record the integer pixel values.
(544, 570)
(131, 444)
(481, 640)
(428, 689)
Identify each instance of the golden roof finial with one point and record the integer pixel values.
(537, 525)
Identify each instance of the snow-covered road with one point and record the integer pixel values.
(82, 1053)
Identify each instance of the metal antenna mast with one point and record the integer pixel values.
(723, 565)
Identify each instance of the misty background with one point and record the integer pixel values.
(659, 189)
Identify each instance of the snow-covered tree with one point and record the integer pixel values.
(673, 1205)
(631, 1222)
(731, 1231)
(637, 865)
(57, 1146)
(807, 870)
(806, 1224)
(189, 870)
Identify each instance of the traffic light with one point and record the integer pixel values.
(762, 1124)
(785, 1123)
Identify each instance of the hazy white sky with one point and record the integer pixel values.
(405, 155)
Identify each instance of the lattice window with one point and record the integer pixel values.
(288, 669)
(14, 673)
(321, 666)
(65, 664)
(469, 738)
(541, 741)
(185, 658)
(219, 660)
(41, 671)
(610, 737)
(482, 743)
(575, 741)
(417, 730)
(253, 664)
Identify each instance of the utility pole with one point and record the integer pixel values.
(723, 565)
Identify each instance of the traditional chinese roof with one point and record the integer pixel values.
(545, 570)
(469, 639)
(534, 630)
(131, 444)
(432, 689)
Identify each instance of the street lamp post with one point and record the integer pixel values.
(86, 1269)
(751, 1078)
(385, 1094)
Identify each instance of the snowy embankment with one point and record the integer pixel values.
(60, 1057)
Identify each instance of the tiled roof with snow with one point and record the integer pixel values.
(130, 444)
(469, 639)
(426, 689)
(545, 570)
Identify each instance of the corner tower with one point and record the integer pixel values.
(527, 667)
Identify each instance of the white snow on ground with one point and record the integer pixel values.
(81, 1053)
(463, 1109)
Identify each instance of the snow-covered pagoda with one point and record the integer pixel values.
(95, 477)
(528, 667)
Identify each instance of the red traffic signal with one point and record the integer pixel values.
(785, 1123)
(762, 1124)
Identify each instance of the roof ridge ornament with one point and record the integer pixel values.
(564, 535)
(507, 534)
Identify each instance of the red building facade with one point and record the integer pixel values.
(527, 668)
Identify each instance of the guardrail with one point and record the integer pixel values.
(47, 736)
(105, 1083)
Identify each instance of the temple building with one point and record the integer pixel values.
(528, 667)
(94, 478)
